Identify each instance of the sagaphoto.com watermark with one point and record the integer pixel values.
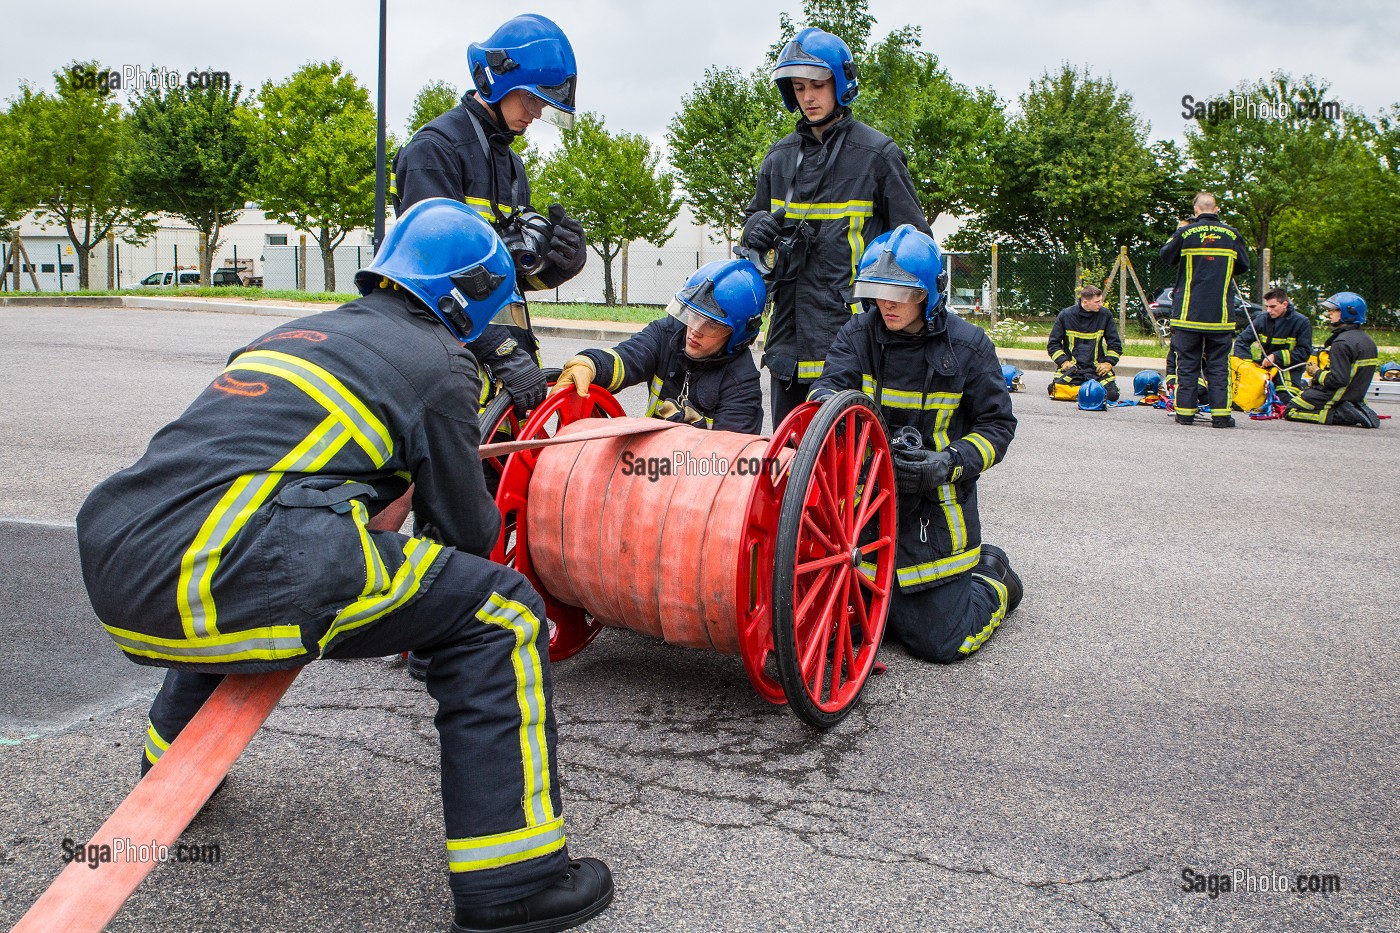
(1240, 107)
(138, 80)
(121, 849)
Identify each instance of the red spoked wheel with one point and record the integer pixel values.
(499, 424)
(834, 558)
(570, 627)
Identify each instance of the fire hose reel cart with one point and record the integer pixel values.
(783, 556)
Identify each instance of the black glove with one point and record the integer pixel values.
(921, 471)
(566, 246)
(761, 231)
(520, 375)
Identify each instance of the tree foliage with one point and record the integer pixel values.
(314, 138)
(190, 158)
(610, 183)
(67, 158)
(434, 99)
(717, 143)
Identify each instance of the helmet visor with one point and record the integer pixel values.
(514, 312)
(803, 71)
(558, 101)
(887, 291)
(696, 320)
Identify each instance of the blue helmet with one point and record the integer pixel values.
(529, 52)
(1352, 306)
(728, 292)
(447, 257)
(819, 56)
(1147, 382)
(904, 264)
(1012, 375)
(1390, 371)
(1093, 396)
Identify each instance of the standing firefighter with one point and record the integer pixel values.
(1338, 392)
(240, 542)
(1209, 254)
(1084, 343)
(824, 191)
(937, 382)
(523, 72)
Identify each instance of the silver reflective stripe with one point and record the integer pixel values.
(284, 646)
(505, 848)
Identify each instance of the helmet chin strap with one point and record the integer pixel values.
(495, 111)
(836, 113)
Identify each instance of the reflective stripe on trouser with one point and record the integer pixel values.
(482, 625)
(946, 623)
(1202, 353)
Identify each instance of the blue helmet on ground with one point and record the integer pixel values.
(1012, 375)
(729, 293)
(1352, 306)
(447, 257)
(816, 55)
(1147, 382)
(529, 52)
(1390, 371)
(904, 264)
(1093, 396)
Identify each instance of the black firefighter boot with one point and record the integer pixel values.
(580, 894)
(995, 563)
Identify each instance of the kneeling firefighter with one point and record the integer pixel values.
(1338, 392)
(696, 360)
(937, 382)
(241, 542)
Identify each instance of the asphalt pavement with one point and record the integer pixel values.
(1202, 678)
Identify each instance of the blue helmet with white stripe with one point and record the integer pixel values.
(904, 264)
(816, 55)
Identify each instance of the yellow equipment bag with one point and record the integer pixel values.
(1061, 392)
(1249, 382)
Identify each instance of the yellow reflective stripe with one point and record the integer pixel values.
(825, 210)
(1203, 325)
(953, 515)
(155, 745)
(244, 496)
(619, 370)
(984, 447)
(1084, 334)
(376, 574)
(272, 643)
(810, 369)
(653, 396)
(1208, 251)
(369, 432)
(907, 399)
(419, 554)
(520, 845)
(483, 207)
(939, 569)
(529, 695)
(855, 236)
(974, 641)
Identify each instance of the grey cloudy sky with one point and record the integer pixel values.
(636, 60)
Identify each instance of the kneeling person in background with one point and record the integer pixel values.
(1084, 344)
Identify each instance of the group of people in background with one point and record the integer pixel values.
(1207, 354)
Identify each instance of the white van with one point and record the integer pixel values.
(188, 277)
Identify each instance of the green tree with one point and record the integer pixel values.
(610, 184)
(1073, 170)
(191, 159)
(1260, 166)
(717, 143)
(849, 19)
(15, 199)
(70, 146)
(949, 133)
(434, 99)
(313, 136)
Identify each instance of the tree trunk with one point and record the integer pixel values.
(328, 258)
(84, 251)
(609, 295)
(1262, 285)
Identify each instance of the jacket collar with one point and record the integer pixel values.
(488, 120)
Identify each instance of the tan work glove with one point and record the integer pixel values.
(1311, 369)
(578, 372)
(1104, 368)
(1066, 366)
(669, 411)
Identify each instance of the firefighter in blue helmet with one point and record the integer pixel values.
(824, 191)
(1338, 392)
(932, 371)
(696, 360)
(1085, 345)
(524, 71)
(241, 541)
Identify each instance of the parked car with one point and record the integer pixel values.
(187, 278)
(1163, 310)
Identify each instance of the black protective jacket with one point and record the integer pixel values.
(445, 159)
(239, 541)
(947, 383)
(1289, 337)
(725, 389)
(1087, 337)
(1351, 365)
(832, 208)
(1209, 253)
